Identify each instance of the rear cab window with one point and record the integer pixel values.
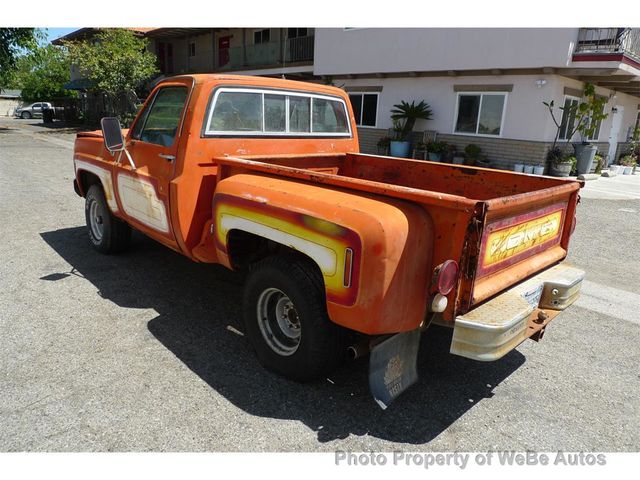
(240, 112)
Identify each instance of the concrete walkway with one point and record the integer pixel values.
(620, 187)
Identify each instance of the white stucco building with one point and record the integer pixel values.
(486, 86)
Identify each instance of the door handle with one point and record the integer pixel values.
(167, 157)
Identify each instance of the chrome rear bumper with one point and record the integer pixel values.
(495, 328)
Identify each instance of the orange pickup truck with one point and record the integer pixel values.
(345, 252)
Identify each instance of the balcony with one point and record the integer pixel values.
(300, 49)
(600, 43)
(267, 54)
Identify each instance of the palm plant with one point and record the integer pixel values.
(407, 114)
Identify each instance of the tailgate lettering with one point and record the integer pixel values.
(513, 240)
(509, 240)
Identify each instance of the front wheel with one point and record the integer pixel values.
(106, 233)
(286, 320)
(25, 115)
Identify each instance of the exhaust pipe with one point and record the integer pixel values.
(358, 350)
(364, 346)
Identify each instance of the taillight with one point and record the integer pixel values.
(445, 276)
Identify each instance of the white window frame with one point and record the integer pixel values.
(486, 135)
(564, 100)
(359, 120)
(286, 133)
(261, 30)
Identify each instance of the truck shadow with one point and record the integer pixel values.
(199, 320)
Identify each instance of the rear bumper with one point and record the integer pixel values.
(495, 328)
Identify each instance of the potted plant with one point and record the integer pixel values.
(449, 152)
(435, 151)
(404, 116)
(421, 150)
(458, 158)
(383, 146)
(559, 165)
(472, 153)
(599, 163)
(587, 115)
(629, 163)
(634, 148)
(483, 162)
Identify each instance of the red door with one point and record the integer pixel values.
(224, 44)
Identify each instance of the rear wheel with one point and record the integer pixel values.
(106, 233)
(286, 319)
(25, 115)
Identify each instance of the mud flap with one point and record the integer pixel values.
(392, 366)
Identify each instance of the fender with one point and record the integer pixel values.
(103, 172)
(365, 245)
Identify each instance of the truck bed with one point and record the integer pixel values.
(467, 205)
(403, 178)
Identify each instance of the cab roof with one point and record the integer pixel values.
(247, 80)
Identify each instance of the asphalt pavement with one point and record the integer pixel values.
(144, 351)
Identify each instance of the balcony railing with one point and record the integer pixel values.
(266, 54)
(300, 49)
(609, 40)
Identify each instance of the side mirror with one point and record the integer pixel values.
(112, 134)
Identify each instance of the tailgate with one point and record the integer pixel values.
(522, 235)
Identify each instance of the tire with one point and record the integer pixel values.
(107, 234)
(292, 286)
(25, 115)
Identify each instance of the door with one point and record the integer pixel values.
(152, 143)
(616, 123)
(224, 43)
(162, 57)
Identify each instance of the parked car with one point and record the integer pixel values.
(345, 253)
(32, 111)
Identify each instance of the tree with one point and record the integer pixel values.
(582, 117)
(42, 74)
(13, 42)
(115, 61)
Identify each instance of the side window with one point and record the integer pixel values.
(37, 106)
(142, 117)
(162, 121)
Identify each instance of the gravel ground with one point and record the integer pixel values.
(141, 351)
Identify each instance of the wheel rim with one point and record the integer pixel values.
(96, 220)
(279, 321)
